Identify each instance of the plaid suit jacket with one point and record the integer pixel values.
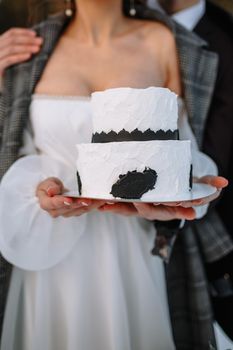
(188, 296)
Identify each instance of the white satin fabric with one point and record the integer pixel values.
(78, 283)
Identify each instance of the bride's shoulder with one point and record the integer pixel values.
(159, 37)
(159, 32)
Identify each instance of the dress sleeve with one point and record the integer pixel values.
(202, 164)
(29, 237)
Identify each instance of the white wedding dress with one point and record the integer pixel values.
(80, 283)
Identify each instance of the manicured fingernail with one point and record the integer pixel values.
(110, 203)
(84, 204)
(155, 204)
(67, 203)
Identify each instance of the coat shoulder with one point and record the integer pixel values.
(57, 20)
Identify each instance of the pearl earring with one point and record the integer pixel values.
(68, 8)
(132, 10)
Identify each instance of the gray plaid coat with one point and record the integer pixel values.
(203, 240)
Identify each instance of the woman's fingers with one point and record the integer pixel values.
(10, 60)
(52, 203)
(215, 181)
(126, 209)
(18, 31)
(21, 39)
(149, 211)
(77, 208)
(83, 208)
(165, 213)
(67, 211)
(14, 50)
(52, 186)
(19, 44)
(49, 193)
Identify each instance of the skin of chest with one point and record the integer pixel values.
(131, 61)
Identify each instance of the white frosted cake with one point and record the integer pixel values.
(135, 152)
(129, 109)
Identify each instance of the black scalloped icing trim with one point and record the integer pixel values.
(134, 184)
(135, 135)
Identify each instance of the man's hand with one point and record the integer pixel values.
(17, 45)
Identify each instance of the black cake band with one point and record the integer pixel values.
(135, 135)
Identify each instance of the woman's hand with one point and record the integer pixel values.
(218, 182)
(150, 211)
(170, 210)
(17, 45)
(49, 193)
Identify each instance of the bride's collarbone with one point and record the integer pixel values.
(84, 87)
(96, 73)
(82, 81)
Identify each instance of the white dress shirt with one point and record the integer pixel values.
(188, 17)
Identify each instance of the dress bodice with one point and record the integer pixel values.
(58, 124)
(92, 277)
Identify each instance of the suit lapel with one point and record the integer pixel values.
(51, 32)
(198, 68)
(19, 84)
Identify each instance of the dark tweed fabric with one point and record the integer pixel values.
(207, 239)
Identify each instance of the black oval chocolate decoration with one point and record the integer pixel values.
(135, 135)
(134, 184)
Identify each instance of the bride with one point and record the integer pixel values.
(83, 275)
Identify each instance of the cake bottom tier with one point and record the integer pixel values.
(134, 170)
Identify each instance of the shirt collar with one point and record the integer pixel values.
(188, 17)
(154, 4)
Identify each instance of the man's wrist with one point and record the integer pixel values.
(169, 225)
(165, 238)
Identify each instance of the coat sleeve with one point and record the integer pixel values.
(202, 163)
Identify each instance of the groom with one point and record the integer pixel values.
(216, 27)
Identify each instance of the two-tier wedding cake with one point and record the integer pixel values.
(135, 151)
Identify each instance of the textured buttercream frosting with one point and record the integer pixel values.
(128, 109)
(101, 165)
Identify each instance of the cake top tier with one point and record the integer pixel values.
(128, 109)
